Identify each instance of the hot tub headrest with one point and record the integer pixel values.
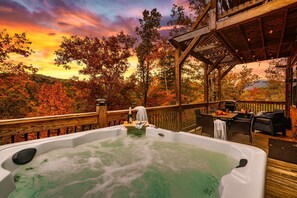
(24, 156)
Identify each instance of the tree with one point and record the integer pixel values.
(18, 43)
(192, 81)
(17, 87)
(180, 22)
(165, 65)
(105, 62)
(52, 100)
(148, 32)
(276, 86)
(17, 90)
(233, 84)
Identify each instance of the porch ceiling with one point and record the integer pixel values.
(270, 35)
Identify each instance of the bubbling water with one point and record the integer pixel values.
(124, 167)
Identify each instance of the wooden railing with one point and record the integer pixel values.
(16, 130)
(256, 106)
(233, 7)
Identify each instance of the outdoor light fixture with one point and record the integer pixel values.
(271, 31)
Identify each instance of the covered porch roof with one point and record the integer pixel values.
(252, 30)
(266, 31)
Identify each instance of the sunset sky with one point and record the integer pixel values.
(45, 22)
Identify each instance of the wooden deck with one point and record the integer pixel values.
(281, 177)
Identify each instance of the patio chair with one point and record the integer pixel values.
(242, 124)
(207, 124)
(230, 104)
(270, 122)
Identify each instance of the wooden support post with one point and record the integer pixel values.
(289, 80)
(178, 88)
(219, 85)
(206, 99)
(101, 109)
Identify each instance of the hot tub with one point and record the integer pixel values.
(247, 181)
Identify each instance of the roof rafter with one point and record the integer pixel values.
(283, 32)
(212, 67)
(245, 40)
(227, 45)
(189, 48)
(262, 38)
(227, 71)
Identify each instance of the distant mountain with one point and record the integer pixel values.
(38, 78)
(259, 83)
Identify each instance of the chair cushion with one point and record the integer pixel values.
(263, 120)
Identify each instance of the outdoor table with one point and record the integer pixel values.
(228, 116)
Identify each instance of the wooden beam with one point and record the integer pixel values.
(283, 32)
(178, 88)
(199, 19)
(201, 57)
(240, 7)
(192, 34)
(212, 67)
(262, 37)
(189, 48)
(267, 46)
(289, 83)
(206, 47)
(293, 56)
(227, 71)
(245, 40)
(192, 53)
(254, 13)
(219, 84)
(227, 45)
(206, 85)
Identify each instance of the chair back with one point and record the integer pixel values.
(207, 124)
(231, 105)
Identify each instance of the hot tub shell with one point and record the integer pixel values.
(244, 182)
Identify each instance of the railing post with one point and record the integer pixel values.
(101, 109)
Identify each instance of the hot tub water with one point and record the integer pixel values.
(124, 167)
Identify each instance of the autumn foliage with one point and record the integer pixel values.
(104, 64)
